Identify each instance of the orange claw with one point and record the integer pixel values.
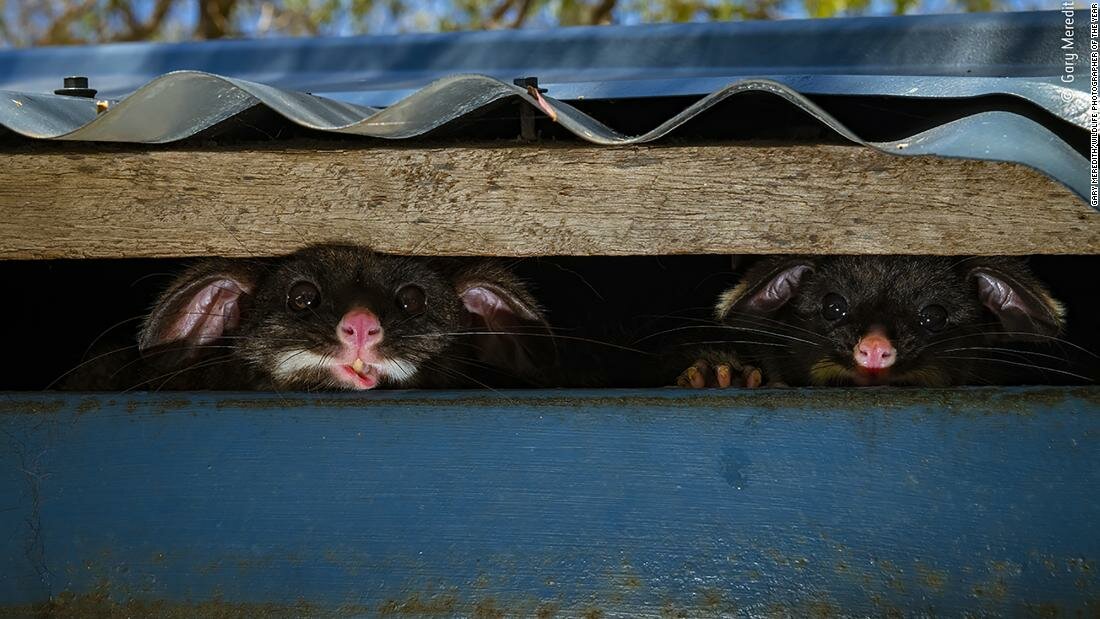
(698, 376)
(752, 377)
(722, 372)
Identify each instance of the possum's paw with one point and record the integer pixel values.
(720, 370)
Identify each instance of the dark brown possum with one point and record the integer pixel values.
(883, 320)
(334, 317)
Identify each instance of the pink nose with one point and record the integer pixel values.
(359, 328)
(875, 352)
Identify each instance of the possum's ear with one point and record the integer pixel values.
(201, 306)
(1023, 305)
(516, 336)
(765, 288)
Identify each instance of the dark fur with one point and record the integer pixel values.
(347, 276)
(769, 320)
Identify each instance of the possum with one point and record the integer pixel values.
(335, 317)
(881, 320)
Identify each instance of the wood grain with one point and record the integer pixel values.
(601, 503)
(520, 200)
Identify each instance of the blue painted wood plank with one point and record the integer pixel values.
(622, 502)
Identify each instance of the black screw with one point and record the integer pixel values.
(76, 86)
(528, 82)
(526, 113)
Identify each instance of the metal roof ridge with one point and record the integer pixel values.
(181, 104)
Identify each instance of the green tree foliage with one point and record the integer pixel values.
(63, 22)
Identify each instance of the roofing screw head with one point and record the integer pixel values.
(76, 86)
(528, 82)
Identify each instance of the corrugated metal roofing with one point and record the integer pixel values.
(162, 93)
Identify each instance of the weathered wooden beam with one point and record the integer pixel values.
(521, 200)
(604, 503)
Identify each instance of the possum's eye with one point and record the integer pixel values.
(834, 306)
(302, 295)
(411, 299)
(933, 317)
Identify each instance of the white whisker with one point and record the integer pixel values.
(1025, 365)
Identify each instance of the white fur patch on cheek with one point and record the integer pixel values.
(397, 370)
(294, 361)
